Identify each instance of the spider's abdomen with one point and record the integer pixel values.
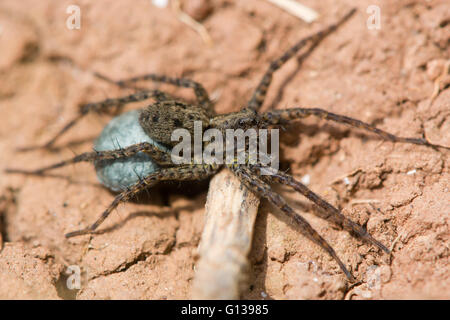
(121, 132)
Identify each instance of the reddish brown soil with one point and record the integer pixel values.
(385, 77)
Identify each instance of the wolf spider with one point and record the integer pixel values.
(166, 114)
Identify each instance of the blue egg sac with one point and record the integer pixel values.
(123, 131)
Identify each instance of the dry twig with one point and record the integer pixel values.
(296, 9)
(222, 268)
(192, 23)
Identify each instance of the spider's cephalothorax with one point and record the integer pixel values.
(160, 119)
(156, 123)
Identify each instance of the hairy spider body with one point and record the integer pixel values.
(159, 119)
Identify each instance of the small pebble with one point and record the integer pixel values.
(198, 9)
(435, 68)
(160, 3)
(306, 179)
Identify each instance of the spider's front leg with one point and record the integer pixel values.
(282, 116)
(199, 90)
(181, 173)
(261, 188)
(259, 95)
(158, 155)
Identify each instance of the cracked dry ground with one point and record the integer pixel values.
(147, 250)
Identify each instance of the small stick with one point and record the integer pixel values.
(363, 201)
(437, 82)
(296, 9)
(192, 23)
(222, 268)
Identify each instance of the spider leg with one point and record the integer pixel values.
(199, 90)
(164, 95)
(101, 107)
(281, 116)
(259, 94)
(159, 156)
(261, 188)
(193, 172)
(333, 213)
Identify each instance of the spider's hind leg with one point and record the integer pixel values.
(182, 173)
(261, 188)
(333, 214)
